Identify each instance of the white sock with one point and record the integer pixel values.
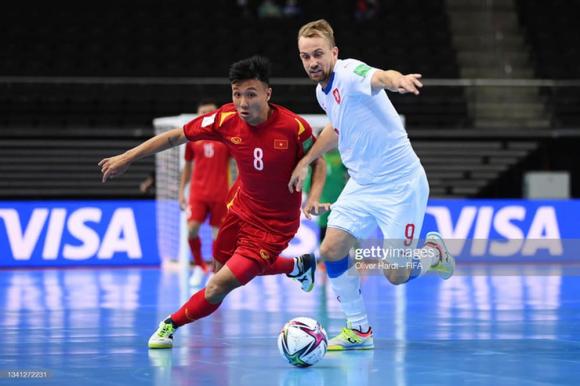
(347, 289)
(295, 270)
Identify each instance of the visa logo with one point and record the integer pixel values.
(83, 242)
(500, 231)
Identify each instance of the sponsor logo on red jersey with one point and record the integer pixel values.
(236, 140)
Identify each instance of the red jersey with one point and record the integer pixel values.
(266, 156)
(209, 177)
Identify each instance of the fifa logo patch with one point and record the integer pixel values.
(281, 144)
(336, 95)
(236, 140)
(264, 254)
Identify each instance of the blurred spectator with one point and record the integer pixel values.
(269, 9)
(292, 9)
(366, 9)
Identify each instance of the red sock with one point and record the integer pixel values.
(195, 308)
(195, 246)
(280, 265)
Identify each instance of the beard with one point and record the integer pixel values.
(319, 77)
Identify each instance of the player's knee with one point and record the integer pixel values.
(331, 252)
(216, 290)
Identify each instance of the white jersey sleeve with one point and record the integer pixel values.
(372, 141)
(356, 76)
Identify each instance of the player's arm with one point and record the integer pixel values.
(185, 177)
(117, 165)
(327, 141)
(313, 204)
(396, 82)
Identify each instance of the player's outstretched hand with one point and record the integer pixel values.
(298, 177)
(114, 166)
(315, 208)
(409, 84)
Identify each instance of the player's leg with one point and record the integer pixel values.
(194, 241)
(196, 214)
(269, 245)
(401, 225)
(212, 268)
(301, 268)
(214, 233)
(348, 220)
(225, 249)
(445, 262)
(217, 266)
(254, 250)
(217, 214)
(445, 266)
(345, 282)
(236, 272)
(199, 265)
(225, 242)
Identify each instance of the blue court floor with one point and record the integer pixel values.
(90, 327)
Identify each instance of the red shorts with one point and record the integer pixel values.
(197, 210)
(239, 239)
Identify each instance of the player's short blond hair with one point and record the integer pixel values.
(319, 28)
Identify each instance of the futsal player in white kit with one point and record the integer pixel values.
(388, 187)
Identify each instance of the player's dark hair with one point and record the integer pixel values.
(207, 101)
(256, 67)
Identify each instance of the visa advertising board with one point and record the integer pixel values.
(78, 233)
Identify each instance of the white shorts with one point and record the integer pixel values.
(398, 210)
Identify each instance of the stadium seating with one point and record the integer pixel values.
(177, 39)
(52, 167)
(63, 126)
(462, 167)
(552, 33)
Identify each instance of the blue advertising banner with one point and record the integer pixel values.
(77, 233)
(507, 230)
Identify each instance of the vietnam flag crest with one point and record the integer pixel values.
(281, 144)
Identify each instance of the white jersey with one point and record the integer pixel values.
(372, 141)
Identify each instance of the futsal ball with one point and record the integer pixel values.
(302, 342)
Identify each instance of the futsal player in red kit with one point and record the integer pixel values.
(267, 141)
(206, 169)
